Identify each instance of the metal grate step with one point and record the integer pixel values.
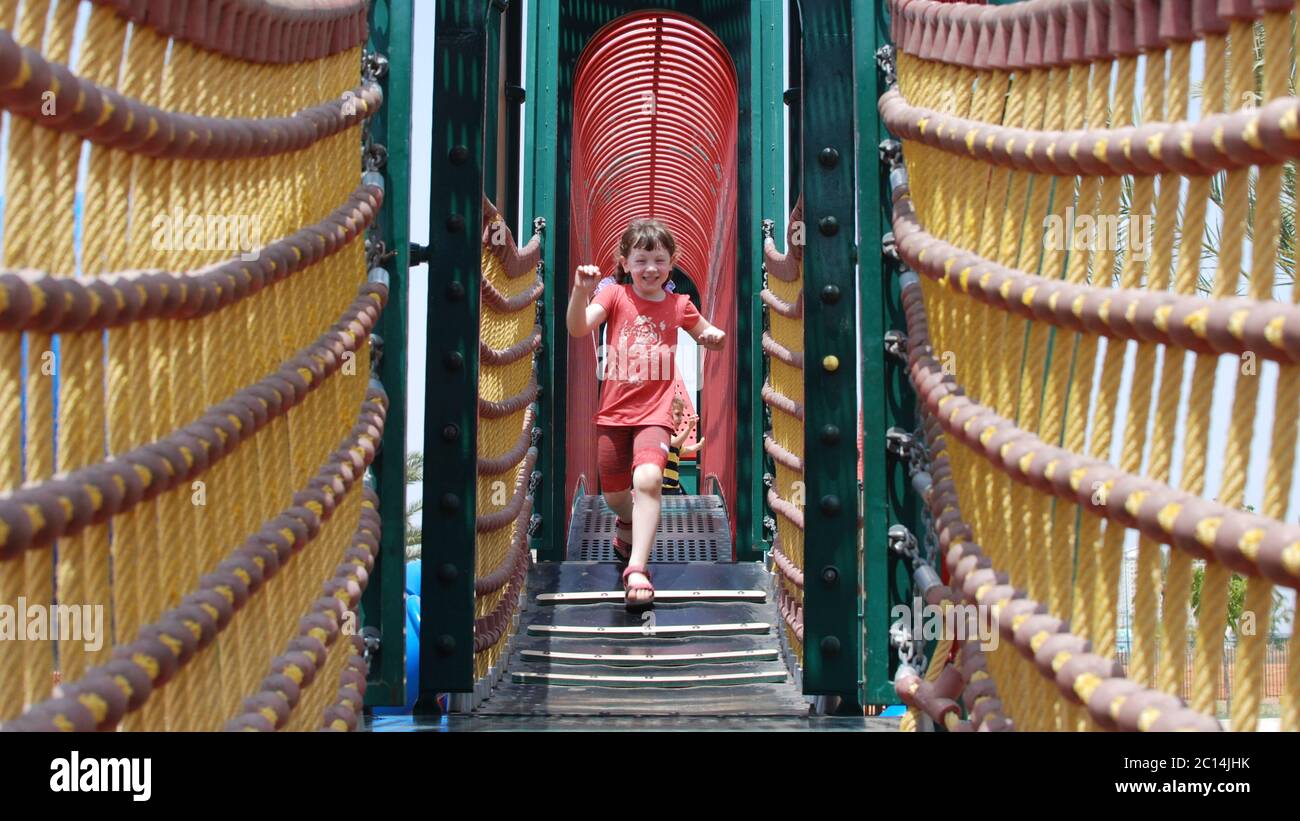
(661, 596)
(648, 680)
(691, 529)
(645, 659)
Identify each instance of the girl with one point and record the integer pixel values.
(677, 447)
(634, 422)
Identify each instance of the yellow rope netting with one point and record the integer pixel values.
(141, 381)
(1138, 405)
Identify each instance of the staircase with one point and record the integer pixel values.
(712, 645)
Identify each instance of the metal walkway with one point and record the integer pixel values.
(711, 646)
(691, 529)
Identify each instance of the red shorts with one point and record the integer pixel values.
(620, 448)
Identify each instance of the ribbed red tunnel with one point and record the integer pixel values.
(655, 136)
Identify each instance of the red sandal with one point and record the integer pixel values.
(637, 607)
(622, 549)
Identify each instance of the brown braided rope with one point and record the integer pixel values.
(100, 699)
(489, 629)
(1085, 678)
(784, 508)
(1056, 33)
(278, 694)
(791, 611)
(786, 266)
(500, 518)
(785, 564)
(776, 350)
(491, 465)
(782, 402)
(499, 241)
(516, 352)
(105, 117)
(1267, 135)
(780, 455)
(33, 517)
(38, 301)
(256, 31)
(1216, 326)
(345, 715)
(493, 580)
(495, 410)
(789, 310)
(1247, 543)
(503, 304)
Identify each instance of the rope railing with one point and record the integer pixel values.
(1097, 260)
(185, 315)
(782, 345)
(509, 340)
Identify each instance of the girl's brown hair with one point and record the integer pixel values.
(646, 234)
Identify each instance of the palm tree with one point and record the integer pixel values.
(414, 476)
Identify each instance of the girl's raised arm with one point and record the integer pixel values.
(582, 317)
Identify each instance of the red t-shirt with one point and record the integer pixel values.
(638, 366)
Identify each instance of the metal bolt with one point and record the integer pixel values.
(451, 432)
(458, 154)
(450, 502)
(831, 363)
(831, 294)
(830, 575)
(455, 223)
(830, 504)
(829, 157)
(448, 572)
(830, 646)
(889, 248)
(446, 645)
(829, 226)
(455, 291)
(454, 361)
(830, 435)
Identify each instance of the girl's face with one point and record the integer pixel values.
(677, 417)
(649, 269)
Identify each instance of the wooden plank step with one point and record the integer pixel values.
(649, 631)
(661, 596)
(643, 659)
(648, 679)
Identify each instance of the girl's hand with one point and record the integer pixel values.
(587, 277)
(714, 339)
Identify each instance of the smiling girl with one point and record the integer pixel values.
(634, 422)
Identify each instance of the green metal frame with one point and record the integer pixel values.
(383, 604)
(541, 130)
(451, 364)
(766, 164)
(887, 400)
(832, 637)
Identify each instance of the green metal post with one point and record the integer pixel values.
(541, 131)
(887, 398)
(832, 635)
(383, 604)
(451, 364)
(766, 167)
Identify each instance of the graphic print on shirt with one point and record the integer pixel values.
(638, 341)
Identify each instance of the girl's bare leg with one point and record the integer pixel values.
(620, 502)
(647, 480)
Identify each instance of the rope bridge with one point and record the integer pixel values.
(782, 297)
(510, 336)
(185, 391)
(1068, 376)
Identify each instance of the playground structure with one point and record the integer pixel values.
(225, 475)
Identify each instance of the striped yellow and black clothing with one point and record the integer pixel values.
(672, 472)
